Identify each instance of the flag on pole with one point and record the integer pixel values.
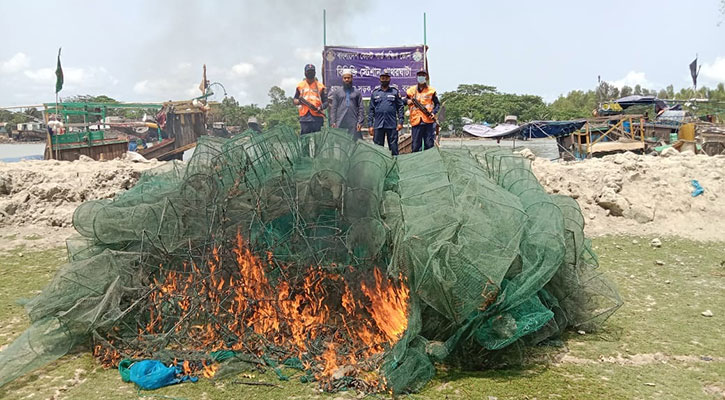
(694, 72)
(58, 75)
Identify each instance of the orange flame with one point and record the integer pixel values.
(214, 307)
(389, 306)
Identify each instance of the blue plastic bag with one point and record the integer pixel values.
(698, 189)
(153, 374)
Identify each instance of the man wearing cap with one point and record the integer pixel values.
(423, 127)
(385, 117)
(346, 106)
(310, 99)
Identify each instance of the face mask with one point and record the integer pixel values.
(310, 74)
(384, 84)
(421, 79)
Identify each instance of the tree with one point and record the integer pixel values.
(277, 95)
(483, 103)
(280, 110)
(231, 113)
(33, 113)
(670, 91)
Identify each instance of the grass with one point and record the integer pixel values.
(658, 345)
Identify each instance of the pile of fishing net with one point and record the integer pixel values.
(323, 254)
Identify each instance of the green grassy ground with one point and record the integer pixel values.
(657, 346)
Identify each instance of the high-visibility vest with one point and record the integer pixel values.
(424, 97)
(311, 93)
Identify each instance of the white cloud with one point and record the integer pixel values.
(289, 85)
(42, 75)
(162, 89)
(141, 87)
(634, 78)
(309, 55)
(261, 60)
(714, 71)
(16, 63)
(158, 87)
(243, 70)
(75, 78)
(193, 91)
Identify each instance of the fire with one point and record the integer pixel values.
(208, 371)
(389, 306)
(330, 318)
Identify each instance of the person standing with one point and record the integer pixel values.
(423, 126)
(385, 116)
(346, 107)
(310, 99)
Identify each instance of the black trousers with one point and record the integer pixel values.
(392, 135)
(311, 126)
(423, 134)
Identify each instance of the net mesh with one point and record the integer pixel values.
(322, 253)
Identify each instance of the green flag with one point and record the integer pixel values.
(58, 76)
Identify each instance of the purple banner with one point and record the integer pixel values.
(366, 64)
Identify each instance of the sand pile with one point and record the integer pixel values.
(45, 193)
(643, 195)
(619, 194)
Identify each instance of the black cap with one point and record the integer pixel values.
(422, 72)
(385, 73)
(309, 67)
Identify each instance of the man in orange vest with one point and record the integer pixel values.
(423, 127)
(310, 99)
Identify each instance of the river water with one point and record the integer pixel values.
(19, 151)
(544, 148)
(34, 151)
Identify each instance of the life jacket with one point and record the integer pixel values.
(311, 93)
(424, 97)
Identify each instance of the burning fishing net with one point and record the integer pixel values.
(322, 254)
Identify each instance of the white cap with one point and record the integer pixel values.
(347, 71)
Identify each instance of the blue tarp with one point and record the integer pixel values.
(542, 129)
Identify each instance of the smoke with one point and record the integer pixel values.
(247, 46)
(154, 51)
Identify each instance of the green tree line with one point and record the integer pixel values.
(476, 102)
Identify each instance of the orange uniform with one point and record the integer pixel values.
(313, 94)
(424, 97)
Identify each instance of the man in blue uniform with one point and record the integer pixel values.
(386, 114)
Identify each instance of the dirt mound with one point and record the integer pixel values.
(619, 194)
(45, 193)
(643, 195)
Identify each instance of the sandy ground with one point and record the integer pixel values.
(38, 198)
(643, 195)
(619, 194)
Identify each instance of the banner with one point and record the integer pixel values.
(402, 63)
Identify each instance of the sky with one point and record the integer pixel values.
(153, 50)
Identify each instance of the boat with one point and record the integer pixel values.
(74, 136)
(497, 132)
(92, 133)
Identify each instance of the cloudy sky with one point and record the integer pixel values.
(136, 50)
